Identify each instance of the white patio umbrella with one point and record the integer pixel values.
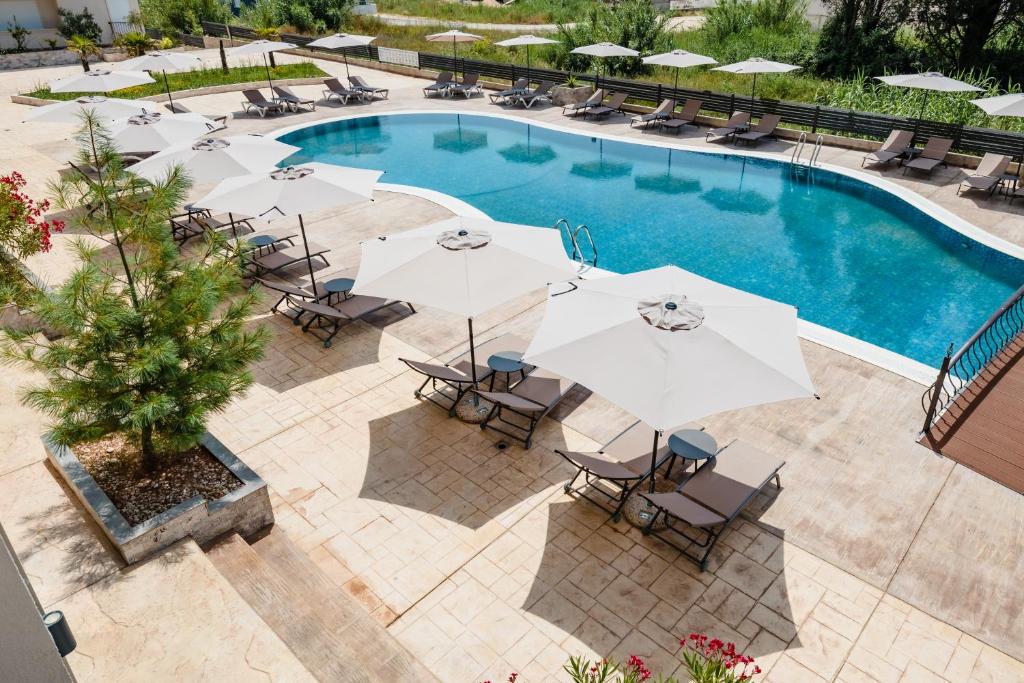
(152, 132)
(929, 81)
(100, 80)
(340, 41)
(212, 159)
(755, 66)
(260, 47)
(455, 36)
(604, 50)
(163, 62)
(292, 191)
(1002, 105)
(678, 59)
(463, 265)
(670, 346)
(526, 40)
(70, 111)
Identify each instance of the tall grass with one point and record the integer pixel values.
(518, 12)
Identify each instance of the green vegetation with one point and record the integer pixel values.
(182, 16)
(302, 16)
(634, 24)
(518, 12)
(84, 48)
(78, 24)
(201, 78)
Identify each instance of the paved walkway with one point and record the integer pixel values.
(864, 568)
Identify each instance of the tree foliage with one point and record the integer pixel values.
(153, 341)
(78, 24)
(962, 34)
(182, 16)
(305, 16)
(861, 35)
(633, 23)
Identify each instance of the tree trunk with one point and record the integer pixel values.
(149, 459)
(85, 63)
(981, 21)
(272, 64)
(223, 58)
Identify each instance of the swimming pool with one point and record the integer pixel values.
(850, 256)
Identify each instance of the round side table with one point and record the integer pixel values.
(508, 363)
(692, 444)
(336, 286)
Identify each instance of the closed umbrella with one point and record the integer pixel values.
(678, 59)
(163, 62)
(152, 132)
(603, 51)
(755, 66)
(292, 191)
(463, 265)
(670, 346)
(260, 47)
(340, 41)
(212, 159)
(929, 82)
(101, 80)
(70, 111)
(455, 36)
(526, 40)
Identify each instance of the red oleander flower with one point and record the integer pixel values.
(23, 228)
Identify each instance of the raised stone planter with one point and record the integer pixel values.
(37, 58)
(244, 510)
(562, 95)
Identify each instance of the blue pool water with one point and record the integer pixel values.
(849, 256)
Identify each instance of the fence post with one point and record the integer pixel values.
(732, 105)
(937, 391)
(814, 123)
(659, 95)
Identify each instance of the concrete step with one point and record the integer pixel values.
(328, 630)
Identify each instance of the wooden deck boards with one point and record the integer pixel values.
(984, 428)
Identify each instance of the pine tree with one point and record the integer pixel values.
(153, 341)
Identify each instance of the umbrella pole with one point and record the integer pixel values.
(753, 89)
(654, 460)
(675, 87)
(920, 114)
(309, 259)
(167, 87)
(527, 66)
(472, 352)
(345, 55)
(269, 81)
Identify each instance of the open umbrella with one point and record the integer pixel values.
(260, 47)
(152, 132)
(292, 191)
(670, 346)
(212, 159)
(70, 111)
(603, 51)
(340, 41)
(929, 81)
(526, 40)
(455, 36)
(1002, 105)
(756, 65)
(463, 265)
(678, 59)
(100, 80)
(163, 62)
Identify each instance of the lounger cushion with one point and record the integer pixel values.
(727, 482)
(681, 507)
(360, 305)
(923, 164)
(883, 156)
(980, 182)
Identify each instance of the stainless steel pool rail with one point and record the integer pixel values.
(796, 159)
(573, 235)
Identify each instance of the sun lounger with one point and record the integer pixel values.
(614, 104)
(708, 501)
(593, 101)
(686, 117)
(735, 124)
(334, 90)
(279, 259)
(457, 375)
(765, 128)
(530, 400)
(623, 463)
(177, 108)
(986, 177)
(664, 111)
(894, 147)
(256, 102)
(194, 224)
(932, 156)
(440, 86)
(470, 84)
(542, 93)
(288, 292)
(331, 317)
(288, 98)
(518, 88)
(359, 84)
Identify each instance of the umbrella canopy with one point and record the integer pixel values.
(163, 62)
(212, 159)
(260, 47)
(340, 41)
(929, 81)
(152, 132)
(70, 111)
(292, 191)
(603, 50)
(526, 40)
(670, 346)
(100, 80)
(678, 59)
(1002, 105)
(755, 66)
(454, 36)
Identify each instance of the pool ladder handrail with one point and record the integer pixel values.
(573, 236)
(798, 151)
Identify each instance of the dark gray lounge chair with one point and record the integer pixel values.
(764, 128)
(291, 100)
(289, 293)
(686, 117)
(664, 111)
(362, 86)
(178, 108)
(894, 147)
(278, 259)
(334, 90)
(931, 157)
(196, 223)
(737, 122)
(623, 463)
(256, 102)
(439, 86)
(613, 105)
(986, 177)
(594, 100)
(330, 317)
(457, 376)
(708, 501)
(529, 400)
(470, 85)
(518, 88)
(542, 93)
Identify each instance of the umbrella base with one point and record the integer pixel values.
(472, 409)
(638, 512)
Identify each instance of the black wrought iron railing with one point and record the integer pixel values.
(960, 369)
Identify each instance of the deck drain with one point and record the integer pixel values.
(501, 445)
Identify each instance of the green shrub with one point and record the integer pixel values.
(182, 16)
(78, 24)
(732, 17)
(134, 43)
(19, 34)
(306, 16)
(634, 24)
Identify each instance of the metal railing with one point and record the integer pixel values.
(119, 28)
(960, 369)
(572, 235)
